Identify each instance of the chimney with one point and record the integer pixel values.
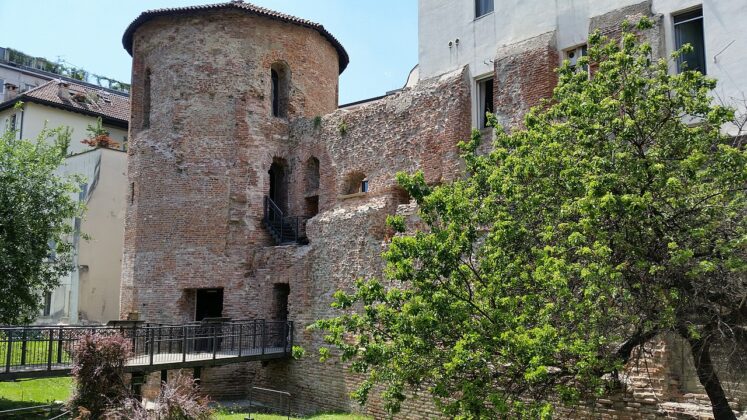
(11, 91)
(63, 90)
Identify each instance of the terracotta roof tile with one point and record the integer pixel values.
(239, 5)
(80, 98)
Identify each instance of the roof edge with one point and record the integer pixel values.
(237, 5)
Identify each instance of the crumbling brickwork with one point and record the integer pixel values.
(204, 142)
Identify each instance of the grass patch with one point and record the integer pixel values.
(30, 392)
(229, 415)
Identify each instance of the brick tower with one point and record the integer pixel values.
(214, 89)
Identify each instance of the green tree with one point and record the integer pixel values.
(36, 210)
(615, 214)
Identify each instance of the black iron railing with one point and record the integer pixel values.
(284, 229)
(31, 348)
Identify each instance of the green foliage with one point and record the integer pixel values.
(298, 352)
(342, 127)
(317, 121)
(36, 210)
(616, 212)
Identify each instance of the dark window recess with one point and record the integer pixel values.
(688, 29)
(483, 7)
(275, 94)
(485, 100)
(209, 304)
(364, 185)
(196, 375)
(146, 99)
(136, 383)
(280, 77)
(312, 205)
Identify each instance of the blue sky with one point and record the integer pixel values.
(381, 36)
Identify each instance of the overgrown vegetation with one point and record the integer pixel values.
(64, 69)
(615, 214)
(99, 136)
(102, 392)
(36, 213)
(98, 373)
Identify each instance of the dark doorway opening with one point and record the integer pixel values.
(280, 293)
(278, 183)
(209, 304)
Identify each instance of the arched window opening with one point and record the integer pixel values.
(280, 80)
(146, 99)
(312, 175)
(356, 182)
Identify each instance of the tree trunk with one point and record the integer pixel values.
(701, 350)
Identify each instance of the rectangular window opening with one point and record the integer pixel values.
(47, 304)
(688, 29)
(484, 101)
(146, 99)
(483, 7)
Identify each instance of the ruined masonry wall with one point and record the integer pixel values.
(199, 170)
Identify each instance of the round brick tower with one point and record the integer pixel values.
(213, 91)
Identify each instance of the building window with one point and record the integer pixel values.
(573, 54)
(484, 101)
(2, 88)
(483, 7)
(280, 78)
(28, 87)
(688, 29)
(47, 310)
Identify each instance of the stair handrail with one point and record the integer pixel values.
(273, 213)
(269, 204)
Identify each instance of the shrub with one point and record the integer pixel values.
(98, 373)
(179, 400)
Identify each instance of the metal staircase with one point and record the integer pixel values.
(285, 230)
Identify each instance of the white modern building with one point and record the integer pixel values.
(455, 33)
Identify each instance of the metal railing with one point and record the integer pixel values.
(284, 228)
(32, 348)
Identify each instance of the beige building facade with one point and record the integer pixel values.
(90, 293)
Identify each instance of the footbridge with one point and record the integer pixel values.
(44, 351)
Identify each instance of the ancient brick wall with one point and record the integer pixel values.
(198, 172)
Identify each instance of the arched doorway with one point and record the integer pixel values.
(278, 192)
